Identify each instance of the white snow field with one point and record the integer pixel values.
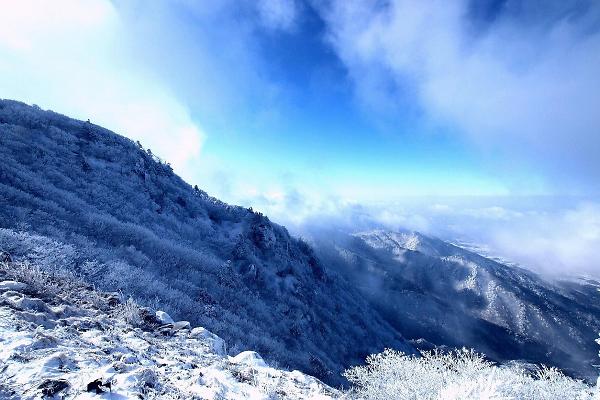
(77, 343)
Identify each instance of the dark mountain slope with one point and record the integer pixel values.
(428, 288)
(129, 223)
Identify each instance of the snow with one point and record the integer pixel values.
(218, 345)
(164, 318)
(88, 353)
(437, 290)
(249, 359)
(12, 285)
(181, 325)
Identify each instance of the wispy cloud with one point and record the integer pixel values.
(523, 83)
(278, 14)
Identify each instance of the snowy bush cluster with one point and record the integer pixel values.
(458, 375)
(78, 197)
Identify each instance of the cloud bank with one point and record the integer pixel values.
(566, 241)
(557, 237)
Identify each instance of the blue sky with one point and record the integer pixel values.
(448, 117)
(293, 113)
(277, 103)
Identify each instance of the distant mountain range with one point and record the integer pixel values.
(437, 293)
(110, 212)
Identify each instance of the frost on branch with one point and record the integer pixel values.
(462, 374)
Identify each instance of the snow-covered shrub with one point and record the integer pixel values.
(462, 374)
(29, 273)
(130, 312)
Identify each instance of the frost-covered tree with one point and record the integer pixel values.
(462, 374)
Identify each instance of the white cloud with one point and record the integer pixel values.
(69, 56)
(525, 86)
(556, 237)
(278, 14)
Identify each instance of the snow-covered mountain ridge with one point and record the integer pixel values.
(398, 242)
(104, 207)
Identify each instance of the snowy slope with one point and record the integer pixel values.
(432, 290)
(89, 345)
(62, 339)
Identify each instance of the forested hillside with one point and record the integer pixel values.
(124, 221)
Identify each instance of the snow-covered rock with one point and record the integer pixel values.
(79, 351)
(164, 318)
(11, 285)
(179, 325)
(218, 345)
(249, 358)
(22, 302)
